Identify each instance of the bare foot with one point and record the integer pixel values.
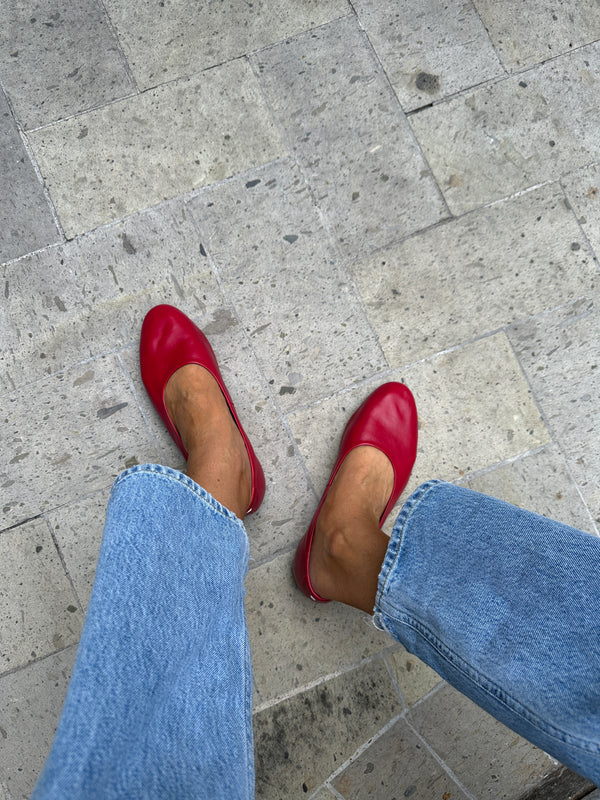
(217, 456)
(348, 548)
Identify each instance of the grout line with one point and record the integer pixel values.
(506, 461)
(299, 690)
(379, 67)
(366, 745)
(37, 660)
(136, 92)
(392, 371)
(331, 789)
(53, 245)
(452, 220)
(38, 174)
(115, 33)
(442, 764)
(549, 427)
(53, 509)
(64, 566)
(489, 36)
(79, 114)
(431, 693)
(569, 206)
(500, 78)
(394, 680)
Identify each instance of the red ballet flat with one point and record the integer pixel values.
(386, 420)
(169, 341)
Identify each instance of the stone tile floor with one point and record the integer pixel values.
(340, 192)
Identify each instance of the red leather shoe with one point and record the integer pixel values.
(169, 341)
(386, 420)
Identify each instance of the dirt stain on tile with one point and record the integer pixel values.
(427, 82)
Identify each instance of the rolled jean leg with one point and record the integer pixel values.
(505, 605)
(159, 704)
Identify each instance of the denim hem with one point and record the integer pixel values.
(487, 686)
(390, 615)
(179, 477)
(394, 547)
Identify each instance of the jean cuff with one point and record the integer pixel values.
(181, 478)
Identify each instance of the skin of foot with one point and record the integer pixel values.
(348, 547)
(217, 456)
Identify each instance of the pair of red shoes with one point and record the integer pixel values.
(386, 420)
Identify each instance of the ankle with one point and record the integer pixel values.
(218, 463)
(346, 561)
(217, 456)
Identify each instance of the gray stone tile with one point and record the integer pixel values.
(414, 678)
(429, 49)
(302, 740)
(396, 765)
(26, 221)
(352, 139)
(451, 283)
(539, 482)
(527, 34)
(78, 531)
(137, 152)
(38, 610)
(30, 708)
(89, 296)
(67, 436)
(490, 760)
(475, 409)
(59, 58)
(295, 641)
(292, 295)
(166, 42)
(583, 191)
(522, 131)
(559, 353)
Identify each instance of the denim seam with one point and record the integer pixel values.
(183, 480)
(492, 689)
(398, 533)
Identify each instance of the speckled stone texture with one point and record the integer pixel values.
(134, 153)
(26, 221)
(340, 194)
(59, 58)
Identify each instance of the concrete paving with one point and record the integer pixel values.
(340, 193)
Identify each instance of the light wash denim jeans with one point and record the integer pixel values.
(160, 701)
(504, 604)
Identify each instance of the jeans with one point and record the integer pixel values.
(503, 603)
(160, 700)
